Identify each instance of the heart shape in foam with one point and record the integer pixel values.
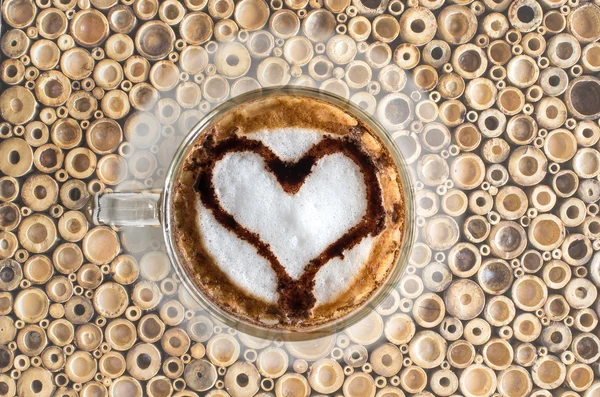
(298, 215)
(297, 227)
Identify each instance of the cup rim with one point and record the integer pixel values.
(320, 330)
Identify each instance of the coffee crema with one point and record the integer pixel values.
(288, 212)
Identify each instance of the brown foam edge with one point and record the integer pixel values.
(270, 113)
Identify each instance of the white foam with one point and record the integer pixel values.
(238, 259)
(337, 274)
(297, 227)
(289, 144)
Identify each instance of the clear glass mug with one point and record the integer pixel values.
(152, 208)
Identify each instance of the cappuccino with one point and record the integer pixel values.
(288, 212)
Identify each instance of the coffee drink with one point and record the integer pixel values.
(288, 212)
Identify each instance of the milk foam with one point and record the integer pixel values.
(297, 227)
(337, 275)
(237, 259)
(289, 144)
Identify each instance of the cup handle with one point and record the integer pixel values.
(134, 209)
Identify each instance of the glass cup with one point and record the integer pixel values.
(151, 208)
